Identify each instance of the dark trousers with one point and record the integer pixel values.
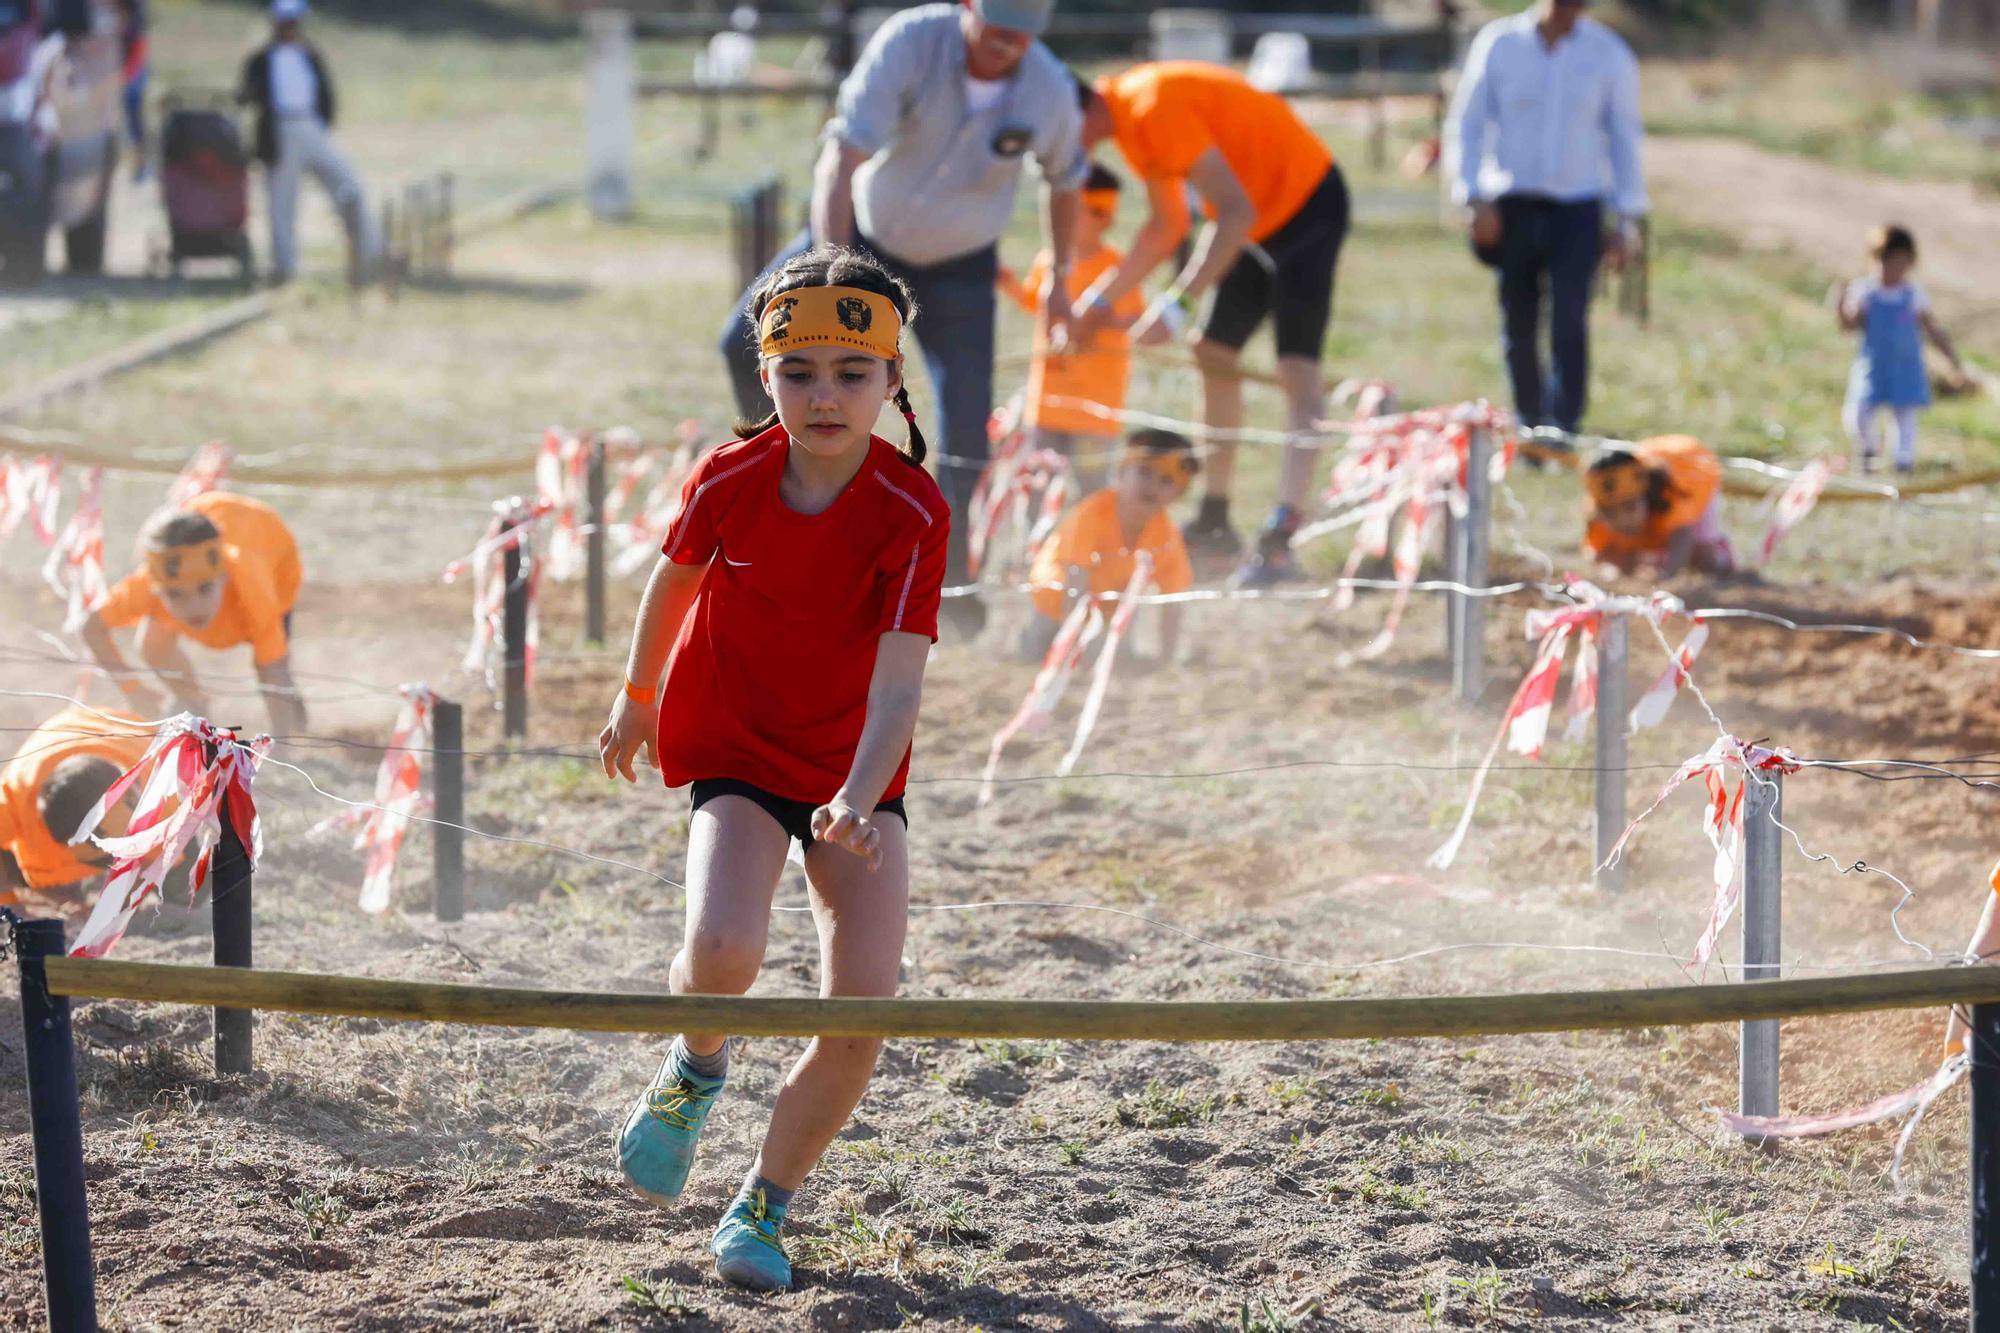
(1554, 246)
(956, 308)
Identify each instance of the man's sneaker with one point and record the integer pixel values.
(1209, 533)
(1272, 562)
(748, 1248)
(656, 1147)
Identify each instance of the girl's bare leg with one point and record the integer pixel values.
(736, 855)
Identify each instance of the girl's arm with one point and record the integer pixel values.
(1984, 946)
(894, 694)
(1942, 341)
(96, 636)
(1680, 550)
(669, 593)
(1843, 310)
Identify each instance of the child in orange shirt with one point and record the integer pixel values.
(1983, 948)
(1657, 507)
(222, 570)
(1062, 384)
(60, 773)
(1094, 549)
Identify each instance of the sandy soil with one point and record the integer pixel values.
(378, 1175)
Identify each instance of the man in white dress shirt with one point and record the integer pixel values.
(1542, 140)
(288, 84)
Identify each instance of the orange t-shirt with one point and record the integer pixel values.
(1168, 113)
(46, 863)
(1094, 374)
(1694, 478)
(261, 561)
(1090, 536)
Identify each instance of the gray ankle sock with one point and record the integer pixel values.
(707, 1066)
(774, 1197)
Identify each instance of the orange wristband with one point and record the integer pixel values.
(639, 696)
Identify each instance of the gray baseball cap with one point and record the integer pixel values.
(1031, 16)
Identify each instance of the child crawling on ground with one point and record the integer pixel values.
(791, 615)
(1093, 551)
(57, 778)
(222, 570)
(1656, 509)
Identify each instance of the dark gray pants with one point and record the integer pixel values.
(956, 307)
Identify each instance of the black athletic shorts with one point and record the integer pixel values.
(1288, 275)
(794, 817)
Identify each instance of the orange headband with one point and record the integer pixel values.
(1619, 484)
(185, 566)
(1177, 466)
(830, 317)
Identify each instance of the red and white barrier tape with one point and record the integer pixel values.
(1076, 633)
(1722, 820)
(1912, 1101)
(206, 471)
(399, 794)
(30, 490)
(1525, 725)
(193, 777)
(512, 524)
(639, 541)
(75, 567)
(562, 487)
(1100, 678)
(1796, 501)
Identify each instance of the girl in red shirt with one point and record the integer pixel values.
(791, 613)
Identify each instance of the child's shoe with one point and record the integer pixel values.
(748, 1247)
(656, 1147)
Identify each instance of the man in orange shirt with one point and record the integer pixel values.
(1093, 551)
(223, 570)
(60, 773)
(1278, 206)
(1658, 507)
(1075, 392)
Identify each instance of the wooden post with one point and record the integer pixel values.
(1612, 654)
(608, 113)
(448, 798)
(56, 1123)
(446, 221)
(1982, 1047)
(1763, 862)
(1454, 572)
(593, 546)
(1469, 668)
(229, 905)
(514, 638)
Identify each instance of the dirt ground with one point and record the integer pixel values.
(380, 1175)
(1252, 822)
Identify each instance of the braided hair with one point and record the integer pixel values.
(839, 266)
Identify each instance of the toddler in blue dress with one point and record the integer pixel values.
(1893, 316)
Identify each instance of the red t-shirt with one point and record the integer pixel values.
(768, 681)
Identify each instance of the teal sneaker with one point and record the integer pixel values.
(747, 1246)
(656, 1147)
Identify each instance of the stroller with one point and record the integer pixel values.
(205, 180)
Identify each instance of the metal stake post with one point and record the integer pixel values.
(514, 641)
(1763, 865)
(1612, 652)
(56, 1122)
(229, 902)
(1469, 667)
(1983, 1047)
(448, 794)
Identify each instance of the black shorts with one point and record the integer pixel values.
(1288, 275)
(794, 817)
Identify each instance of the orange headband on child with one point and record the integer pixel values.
(185, 566)
(1629, 480)
(1175, 466)
(830, 317)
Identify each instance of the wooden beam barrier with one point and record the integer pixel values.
(1070, 1020)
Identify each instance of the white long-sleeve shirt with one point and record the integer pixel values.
(1561, 122)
